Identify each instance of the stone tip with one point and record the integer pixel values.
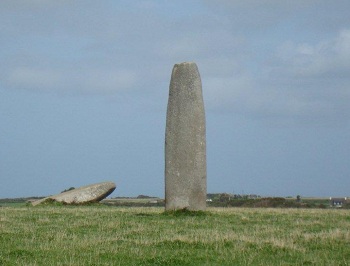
(185, 63)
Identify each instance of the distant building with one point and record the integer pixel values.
(338, 202)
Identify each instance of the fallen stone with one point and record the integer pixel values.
(85, 194)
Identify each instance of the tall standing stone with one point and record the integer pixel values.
(185, 144)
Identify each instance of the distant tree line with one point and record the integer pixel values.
(255, 201)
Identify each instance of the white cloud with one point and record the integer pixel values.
(342, 44)
(27, 77)
(328, 57)
(70, 80)
(304, 81)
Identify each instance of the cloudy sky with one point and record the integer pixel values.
(84, 88)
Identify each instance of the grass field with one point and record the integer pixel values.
(102, 235)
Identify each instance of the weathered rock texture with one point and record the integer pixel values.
(185, 144)
(90, 193)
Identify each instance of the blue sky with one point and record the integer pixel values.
(84, 88)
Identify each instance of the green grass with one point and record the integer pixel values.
(101, 235)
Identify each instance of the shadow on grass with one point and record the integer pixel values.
(185, 212)
(175, 213)
(53, 202)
